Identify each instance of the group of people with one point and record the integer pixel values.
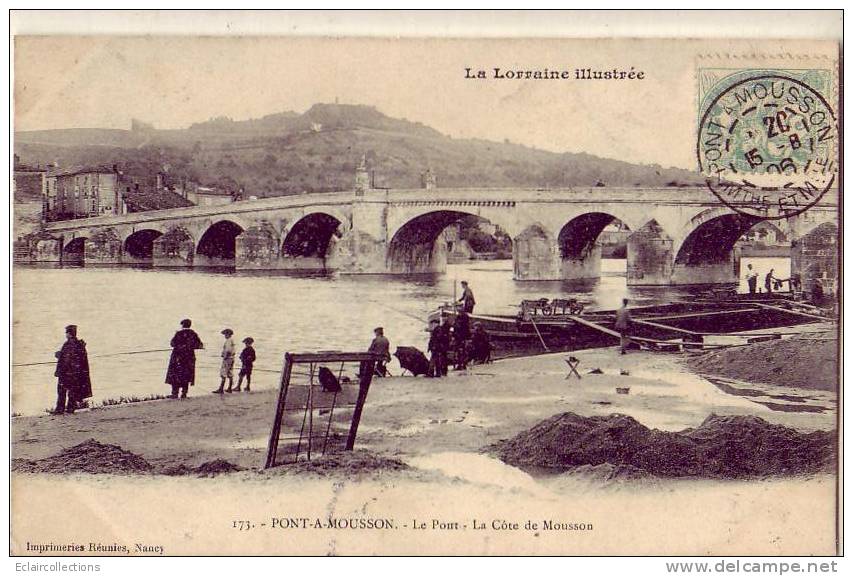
(465, 345)
(74, 381)
(446, 339)
(458, 338)
(181, 372)
(771, 283)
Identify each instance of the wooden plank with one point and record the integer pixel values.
(366, 371)
(701, 314)
(306, 357)
(594, 326)
(665, 327)
(272, 448)
(805, 314)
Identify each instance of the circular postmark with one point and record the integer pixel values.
(768, 145)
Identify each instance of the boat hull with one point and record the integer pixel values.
(662, 327)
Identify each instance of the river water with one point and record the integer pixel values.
(128, 309)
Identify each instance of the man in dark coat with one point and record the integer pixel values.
(623, 322)
(381, 347)
(481, 348)
(181, 372)
(439, 344)
(467, 299)
(461, 335)
(768, 282)
(72, 369)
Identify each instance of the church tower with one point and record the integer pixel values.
(362, 178)
(428, 179)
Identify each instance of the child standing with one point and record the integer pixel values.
(247, 360)
(227, 369)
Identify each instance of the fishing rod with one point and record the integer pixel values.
(397, 310)
(97, 356)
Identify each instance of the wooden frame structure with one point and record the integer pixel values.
(366, 362)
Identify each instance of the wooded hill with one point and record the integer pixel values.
(318, 151)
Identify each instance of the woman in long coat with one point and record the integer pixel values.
(181, 372)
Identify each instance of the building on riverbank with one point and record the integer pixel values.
(764, 240)
(83, 192)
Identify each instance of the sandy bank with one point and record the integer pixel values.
(801, 362)
(410, 416)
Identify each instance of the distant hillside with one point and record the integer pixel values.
(289, 153)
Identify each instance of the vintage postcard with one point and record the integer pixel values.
(339, 295)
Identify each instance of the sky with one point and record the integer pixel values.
(172, 82)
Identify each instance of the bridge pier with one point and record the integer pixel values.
(358, 252)
(38, 248)
(104, 248)
(589, 266)
(650, 256)
(652, 262)
(175, 248)
(257, 248)
(420, 258)
(814, 257)
(534, 255)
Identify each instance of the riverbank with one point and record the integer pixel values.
(422, 457)
(410, 416)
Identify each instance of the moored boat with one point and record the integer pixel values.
(542, 326)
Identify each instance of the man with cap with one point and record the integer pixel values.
(227, 368)
(181, 373)
(381, 347)
(467, 299)
(72, 370)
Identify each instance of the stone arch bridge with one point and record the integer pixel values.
(678, 235)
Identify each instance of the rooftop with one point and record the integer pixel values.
(212, 191)
(73, 171)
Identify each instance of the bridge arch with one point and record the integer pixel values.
(139, 245)
(74, 250)
(311, 236)
(712, 239)
(217, 246)
(413, 248)
(578, 244)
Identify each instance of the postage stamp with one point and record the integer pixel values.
(767, 139)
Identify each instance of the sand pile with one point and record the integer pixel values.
(721, 447)
(211, 468)
(796, 362)
(91, 457)
(344, 464)
(218, 466)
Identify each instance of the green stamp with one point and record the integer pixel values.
(767, 139)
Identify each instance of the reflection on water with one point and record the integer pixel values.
(127, 309)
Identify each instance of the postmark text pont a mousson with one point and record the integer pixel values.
(768, 145)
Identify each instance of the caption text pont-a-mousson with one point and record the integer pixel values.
(415, 524)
